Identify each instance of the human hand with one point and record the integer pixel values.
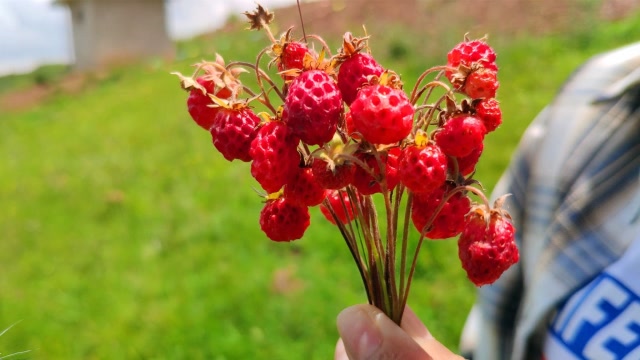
(366, 333)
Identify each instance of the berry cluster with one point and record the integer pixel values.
(346, 132)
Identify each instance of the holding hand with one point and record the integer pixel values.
(367, 333)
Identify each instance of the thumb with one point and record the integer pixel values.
(367, 333)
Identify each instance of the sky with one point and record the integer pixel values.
(35, 32)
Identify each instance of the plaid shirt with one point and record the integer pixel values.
(575, 185)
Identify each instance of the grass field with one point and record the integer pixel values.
(125, 236)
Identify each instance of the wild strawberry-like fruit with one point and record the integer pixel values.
(283, 220)
(313, 106)
(198, 104)
(367, 184)
(488, 110)
(332, 175)
(232, 132)
(304, 189)
(422, 168)
(466, 164)
(292, 55)
(275, 156)
(382, 114)
(460, 135)
(341, 204)
(471, 54)
(354, 73)
(482, 83)
(487, 245)
(449, 221)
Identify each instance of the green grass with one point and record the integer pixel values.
(126, 236)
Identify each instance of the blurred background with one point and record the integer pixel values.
(124, 234)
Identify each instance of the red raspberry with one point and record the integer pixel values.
(488, 110)
(313, 106)
(232, 132)
(354, 72)
(333, 177)
(198, 104)
(275, 156)
(482, 83)
(383, 115)
(467, 164)
(422, 169)
(304, 189)
(368, 185)
(467, 53)
(449, 221)
(341, 205)
(460, 135)
(283, 220)
(487, 249)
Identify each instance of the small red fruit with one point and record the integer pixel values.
(460, 135)
(283, 220)
(331, 175)
(198, 104)
(449, 222)
(467, 164)
(365, 183)
(354, 72)
(422, 168)
(482, 83)
(292, 55)
(275, 156)
(232, 132)
(313, 107)
(382, 114)
(488, 110)
(487, 245)
(470, 54)
(304, 189)
(340, 202)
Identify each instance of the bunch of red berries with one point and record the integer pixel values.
(348, 138)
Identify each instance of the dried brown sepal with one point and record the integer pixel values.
(188, 83)
(259, 18)
(351, 45)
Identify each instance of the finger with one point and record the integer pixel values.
(368, 334)
(341, 352)
(412, 325)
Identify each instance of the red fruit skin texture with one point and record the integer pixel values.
(197, 105)
(365, 183)
(282, 220)
(422, 169)
(382, 115)
(487, 251)
(339, 177)
(354, 72)
(304, 189)
(292, 56)
(488, 110)
(233, 131)
(449, 221)
(467, 164)
(313, 107)
(482, 83)
(468, 52)
(275, 156)
(460, 135)
(343, 209)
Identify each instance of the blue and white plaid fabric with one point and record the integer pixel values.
(575, 185)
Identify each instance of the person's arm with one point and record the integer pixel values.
(366, 333)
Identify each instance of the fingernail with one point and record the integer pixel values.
(359, 332)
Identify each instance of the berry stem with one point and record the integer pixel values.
(422, 76)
